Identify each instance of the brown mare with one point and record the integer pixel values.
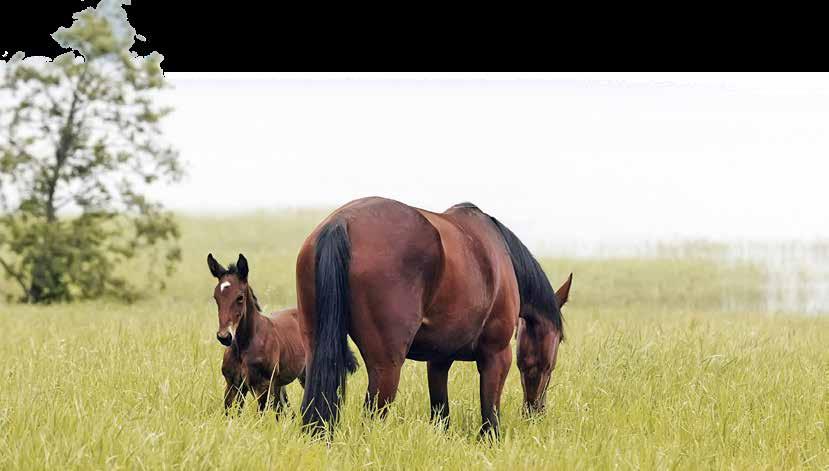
(409, 283)
(264, 354)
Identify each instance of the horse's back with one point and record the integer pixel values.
(383, 235)
(395, 259)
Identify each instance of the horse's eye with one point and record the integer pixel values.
(239, 300)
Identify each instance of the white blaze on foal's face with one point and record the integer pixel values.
(230, 301)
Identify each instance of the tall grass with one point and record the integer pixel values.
(668, 364)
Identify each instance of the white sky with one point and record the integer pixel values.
(561, 158)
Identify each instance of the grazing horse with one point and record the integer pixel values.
(264, 354)
(407, 283)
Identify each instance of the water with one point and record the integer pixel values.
(795, 274)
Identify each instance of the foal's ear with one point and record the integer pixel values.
(215, 268)
(564, 292)
(242, 266)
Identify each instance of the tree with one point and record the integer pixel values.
(79, 142)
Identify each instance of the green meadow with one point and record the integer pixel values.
(670, 363)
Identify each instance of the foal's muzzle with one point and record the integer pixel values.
(225, 339)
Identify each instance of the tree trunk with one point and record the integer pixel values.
(67, 137)
(40, 277)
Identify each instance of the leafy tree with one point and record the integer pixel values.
(79, 143)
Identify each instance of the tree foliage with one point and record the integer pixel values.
(79, 144)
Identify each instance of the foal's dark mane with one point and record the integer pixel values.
(233, 270)
(533, 285)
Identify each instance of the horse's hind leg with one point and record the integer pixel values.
(384, 341)
(438, 375)
(383, 381)
(493, 369)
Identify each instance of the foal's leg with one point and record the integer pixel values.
(438, 374)
(265, 397)
(493, 369)
(281, 400)
(243, 392)
(230, 395)
(234, 393)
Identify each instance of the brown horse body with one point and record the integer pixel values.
(267, 362)
(417, 285)
(264, 354)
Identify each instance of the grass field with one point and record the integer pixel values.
(669, 364)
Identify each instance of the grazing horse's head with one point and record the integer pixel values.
(232, 294)
(538, 339)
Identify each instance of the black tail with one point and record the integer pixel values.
(331, 358)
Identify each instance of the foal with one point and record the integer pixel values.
(264, 354)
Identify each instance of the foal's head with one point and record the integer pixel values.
(233, 296)
(538, 339)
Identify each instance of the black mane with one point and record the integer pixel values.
(533, 285)
(233, 270)
(468, 205)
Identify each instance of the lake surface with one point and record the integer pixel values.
(795, 273)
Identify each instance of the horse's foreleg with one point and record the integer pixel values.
(242, 392)
(234, 393)
(230, 395)
(265, 397)
(493, 370)
(438, 375)
(280, 400)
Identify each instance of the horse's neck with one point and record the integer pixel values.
(248, 326)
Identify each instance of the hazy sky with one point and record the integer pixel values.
(559, 157)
